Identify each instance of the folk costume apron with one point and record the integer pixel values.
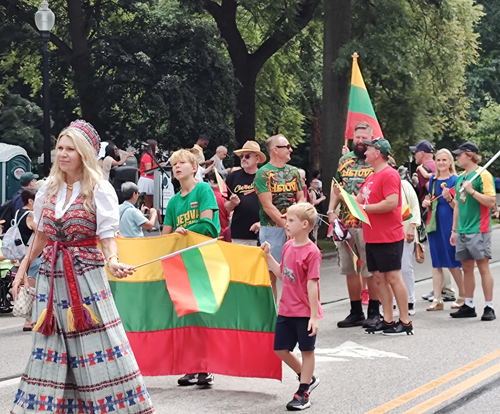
(81, 361)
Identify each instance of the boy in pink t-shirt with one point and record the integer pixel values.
(300, 307)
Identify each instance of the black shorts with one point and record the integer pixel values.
(289, 331)
(384, 257)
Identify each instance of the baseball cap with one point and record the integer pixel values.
(27, 178)
(380, 144)
(467, 147)
(424, 146)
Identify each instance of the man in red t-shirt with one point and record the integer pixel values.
(380, 196)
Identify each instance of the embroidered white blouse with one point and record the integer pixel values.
(105, 204)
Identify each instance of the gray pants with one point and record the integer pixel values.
(407, 269)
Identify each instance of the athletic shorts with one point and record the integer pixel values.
(475, 246)
(345, 257)
(33, 269)
(146, 186)
(276, 237)
(384, 257)
(290, 330)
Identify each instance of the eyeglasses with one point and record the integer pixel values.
(246, 156)
(284, 146)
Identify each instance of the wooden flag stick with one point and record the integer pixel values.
(196, 246)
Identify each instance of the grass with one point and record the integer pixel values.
(326, 246)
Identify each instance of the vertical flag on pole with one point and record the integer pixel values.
(360, 105)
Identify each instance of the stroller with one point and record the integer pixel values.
(6, 279)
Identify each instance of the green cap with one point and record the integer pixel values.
(380, 144)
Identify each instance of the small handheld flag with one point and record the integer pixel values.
(354, 207)
(220, 183)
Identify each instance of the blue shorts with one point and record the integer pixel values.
(290, 330)
(276, 237)
(33, 269)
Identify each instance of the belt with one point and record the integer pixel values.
(79, 316)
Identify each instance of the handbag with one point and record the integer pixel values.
(419, 252)
(431, 223)
(23, 305)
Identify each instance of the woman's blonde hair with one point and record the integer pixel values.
(91, 173)
(450, 158)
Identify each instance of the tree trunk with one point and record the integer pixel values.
(316, 138)
(335, 86)
(244, 124)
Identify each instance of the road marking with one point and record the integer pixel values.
(4, 328)
(424, 389)
(453, 391)
(9, 382)
(350, 349)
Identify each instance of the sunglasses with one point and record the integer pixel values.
(246, 156)
(284, 146)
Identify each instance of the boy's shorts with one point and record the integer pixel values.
(290, 330)
(276, 237)
(475, 246)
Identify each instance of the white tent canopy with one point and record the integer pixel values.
(7, 152)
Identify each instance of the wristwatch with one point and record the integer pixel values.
(329, 212)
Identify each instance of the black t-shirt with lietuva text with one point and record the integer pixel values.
(247, 212)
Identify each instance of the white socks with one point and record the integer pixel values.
(489, 305)
(469, 302)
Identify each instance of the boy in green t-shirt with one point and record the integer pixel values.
(193, 208)
(471, 231)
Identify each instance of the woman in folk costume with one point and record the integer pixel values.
(81, 361)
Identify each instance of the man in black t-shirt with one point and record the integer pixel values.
(245, 224)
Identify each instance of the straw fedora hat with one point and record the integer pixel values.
(252, 146)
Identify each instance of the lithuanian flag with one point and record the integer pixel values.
(360, 105)
(407, 213)
(197, 278)
(237, 340)
(354, 207)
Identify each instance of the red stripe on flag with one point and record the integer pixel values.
(178, 285)
(198, 349)
(354, 118)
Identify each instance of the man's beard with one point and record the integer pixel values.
(360, 151)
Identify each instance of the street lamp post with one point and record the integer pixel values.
(45, 19)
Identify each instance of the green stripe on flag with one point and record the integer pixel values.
(245, 307)
(200, 281)
(359, 101)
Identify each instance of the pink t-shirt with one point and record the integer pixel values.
(298, 265)
(385, 227)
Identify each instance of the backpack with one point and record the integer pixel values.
(13, 247)
(6, 214)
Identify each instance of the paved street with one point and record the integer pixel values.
(447, 366)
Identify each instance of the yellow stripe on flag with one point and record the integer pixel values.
(217, 269)
(356, 77)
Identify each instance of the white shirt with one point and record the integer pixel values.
(219, 165)
(409, 196)
(199, 174)
(105, 204)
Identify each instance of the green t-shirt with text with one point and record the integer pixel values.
(184, 211)
(473, 217)
(282, 183)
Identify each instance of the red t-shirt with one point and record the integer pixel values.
(421, 190)
(146, 159)
(385, 227)
(223, 213)
(298, 265)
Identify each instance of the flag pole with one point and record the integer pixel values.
(478, 173)
(168, 256)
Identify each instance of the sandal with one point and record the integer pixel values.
(437, 304)
(458, 303)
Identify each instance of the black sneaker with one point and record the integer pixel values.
(299, 402)
(464, 312)
(411, 309)
(313, 384)
(372, 320)
(399, 329)
(352, 320)
(188, 379)
(380, 327)
(205, 379)
(429, 295)
(489, 314)
(447, 298)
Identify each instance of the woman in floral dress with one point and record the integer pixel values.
(81, 361)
